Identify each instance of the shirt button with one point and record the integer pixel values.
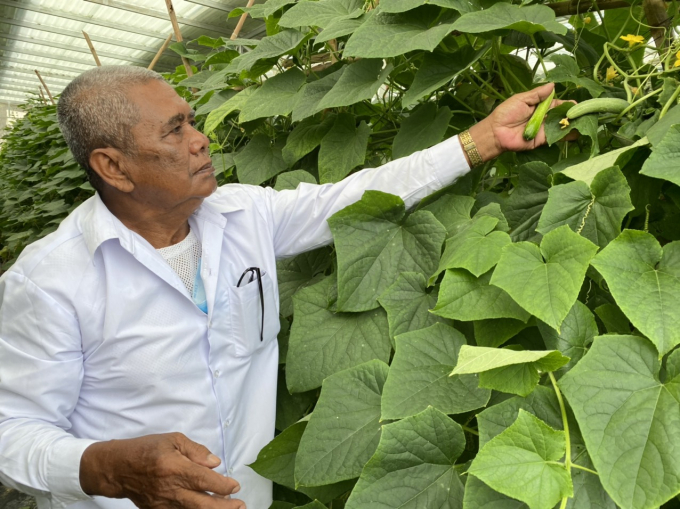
(231, 471)
(209, 323)
(217, 373)
(227, 423)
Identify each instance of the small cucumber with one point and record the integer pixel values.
(534, 124)
(605, 105)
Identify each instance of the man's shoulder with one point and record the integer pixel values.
(233, 197)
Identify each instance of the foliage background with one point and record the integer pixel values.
(505, 258)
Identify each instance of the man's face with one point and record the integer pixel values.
(170, 164)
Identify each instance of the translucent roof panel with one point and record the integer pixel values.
(47, 35)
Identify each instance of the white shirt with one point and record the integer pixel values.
(183, 257)
(99, 337)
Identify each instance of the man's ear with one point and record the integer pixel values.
(108, 163)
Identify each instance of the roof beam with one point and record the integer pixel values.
(48, 65)
(157, 14)
(212, 4)
(79, 35)
(51, 75)
(83, 19)
(69, 47)
(10, 51)
(13, 80)
(4, 88)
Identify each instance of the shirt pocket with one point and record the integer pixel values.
(246, 316)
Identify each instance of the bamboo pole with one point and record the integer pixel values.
(160, 52)
(41, 94)
(44, 85)
(241, 21)
(178, 34)
(92, 50)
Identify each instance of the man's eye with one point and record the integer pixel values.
(177, 129)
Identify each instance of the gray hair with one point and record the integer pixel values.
(94, 112)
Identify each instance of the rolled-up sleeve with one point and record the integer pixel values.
(41, 371)
(299, 216)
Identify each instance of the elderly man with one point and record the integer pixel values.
(137, 367)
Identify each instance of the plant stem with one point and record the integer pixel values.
(670, 101)
(538, 54)
(632, 105)
(565, 425)
(470, 430)
(574, 465)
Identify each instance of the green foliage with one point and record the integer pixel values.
(539, 272)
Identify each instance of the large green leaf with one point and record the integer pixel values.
(359, 81)
(375, 241)
(523, 208)
(664, 163)
(587, 125)
(494, 332)
(276, 460)
(259, 161)
(506, 370)
(340, 28)
(311, 94)
(521, 463)
(344, 430)
(323, 342)
(233, 103)
(277, 96)
(413, 466)
(576, 333)
(321, 14)
(291, 179)
(343, 148)
(475, 247)
(657, 132)
(419, 375)
(596, 210)
(306, 136)
(386, 35)
(528, 19)
(465, 297)
(629, 419)
(269, 47)
(461, 6)
(294, 273)
(566, 70)
(644, 278)
(437, 69)
(479, 496)
(545, 281)
(407, 303)
(453, 211)
(425, 126)
(587, 170)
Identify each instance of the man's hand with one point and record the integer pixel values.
(166, 471)
(503, 129)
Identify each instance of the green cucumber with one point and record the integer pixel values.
(605, 105)
(534, 124)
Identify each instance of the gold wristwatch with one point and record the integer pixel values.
(470, 148)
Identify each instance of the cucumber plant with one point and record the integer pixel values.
(523, 353)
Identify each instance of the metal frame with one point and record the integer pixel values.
(213, 5)
(152, 13)
(3, 88)
(79, 35)
(83, 19)
(12, 80)
(51, 56)
(35, 64)
(49, 74)
(59, 45)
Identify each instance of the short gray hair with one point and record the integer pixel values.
(94, 112)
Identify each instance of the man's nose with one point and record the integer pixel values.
(199, 142)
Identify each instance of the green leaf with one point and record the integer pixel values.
(343, 148)
(313, 505)
(407, 303)
(596, 210)
(476, 248)
(494, 210)
(323, 342)
(479, 496)
(545, 281)
(344, 424)
(461, 6)
(659, 130)
(613, 319)
(269, 47)
(413, 466)
(587, 170)
(271, 6)
(386, 35)
(223, 163)
(306, 136)
(311, 94)
(290, 408)
(375, 241)
(295, 273)
(276, 460)
(291, 179)
(664, 163)
(419, 375)
(523, 208)
(576, 333)
(586, 125)
(527, 20)
(259, 161)
(438, 69)
(425, 126)
(522, 463)
(493, 333)
(277, 96)
(359, 81)
(321, 14)
(232, 104)
(453, 211)
(216, 100)
(340, 28)
(629, 420)
(465, 297)
(566, 70)
(644, 278)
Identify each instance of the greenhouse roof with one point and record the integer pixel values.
(47, 35)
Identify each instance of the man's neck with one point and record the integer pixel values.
(161, 227)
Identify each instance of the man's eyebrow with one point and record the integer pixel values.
(179, 118)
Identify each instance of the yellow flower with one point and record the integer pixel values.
(564, 123)
(611, 74)
(587, 20)
(632, 40)
(634, 90)
(677, 63)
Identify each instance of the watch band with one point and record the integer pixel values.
(470, 148)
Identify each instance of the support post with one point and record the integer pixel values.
(178, 33)
(160, 52)
(92, 50)
(241, 21)
(44, 85)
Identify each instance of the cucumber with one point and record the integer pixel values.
(534, 124)
(606, 105)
